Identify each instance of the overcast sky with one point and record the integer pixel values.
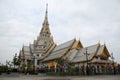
(90, 21)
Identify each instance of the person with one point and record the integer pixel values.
(118, 68)
(110, 68)
(82, 68)
(25, 69)
(8, 71)
(106, 67)
(87, 70)
(114, 68)
(92, 69)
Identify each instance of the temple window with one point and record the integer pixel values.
(37, 54)
(103, 58)
(41, 46)
(38, 61)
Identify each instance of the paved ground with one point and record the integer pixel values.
(14, 76)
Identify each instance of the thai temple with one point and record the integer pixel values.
(44, 52)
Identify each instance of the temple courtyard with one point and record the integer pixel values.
(17, 76)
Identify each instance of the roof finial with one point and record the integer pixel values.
(99, 42)
(104, 43)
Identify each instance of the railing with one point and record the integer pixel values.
(91, 71)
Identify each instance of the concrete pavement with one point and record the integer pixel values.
(16, 76)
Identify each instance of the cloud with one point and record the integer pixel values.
(13, 35)
(87, 20)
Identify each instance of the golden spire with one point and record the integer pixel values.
(46, 16)
(45, 25)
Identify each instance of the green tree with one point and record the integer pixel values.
(16, 60)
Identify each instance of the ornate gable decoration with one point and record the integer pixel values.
(105, 53)
(78, 45)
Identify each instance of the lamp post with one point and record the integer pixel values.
(87, 69)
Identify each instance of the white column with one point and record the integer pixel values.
(25, 62)
(35, 63)
(55, 66)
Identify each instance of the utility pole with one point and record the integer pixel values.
(33, 64)
(87, 68)
(113, 63)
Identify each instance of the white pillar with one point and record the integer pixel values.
(25, 62)
(35, 62)
(55, 67)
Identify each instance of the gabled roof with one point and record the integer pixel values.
(100, 50)
(64, 45)
(80, 55)
(103, 51)
(20, 54)
(48, 52)
(60, 50)
(26, 50)
(25, 53)
(92, 49)
(32, 46)
(75, 48)
(73, 54)
(77, 45)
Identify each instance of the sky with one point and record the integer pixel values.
(90, 21)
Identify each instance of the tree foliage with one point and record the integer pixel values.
(16, 60)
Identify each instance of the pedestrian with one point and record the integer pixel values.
(83, 69)
(26, 70)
